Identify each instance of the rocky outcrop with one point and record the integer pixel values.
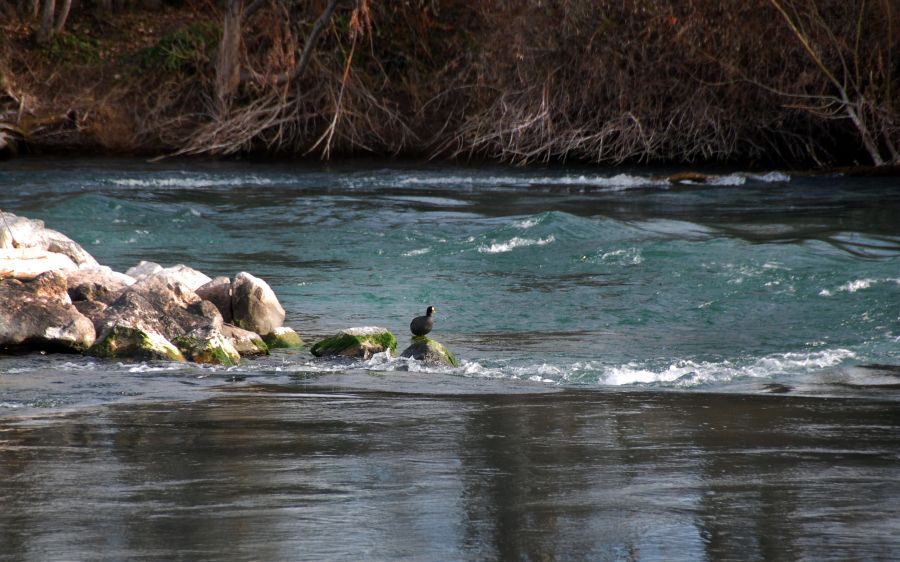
(254, 305)
(430, 352)
(361, 343)
(39, 314)
(54, 295)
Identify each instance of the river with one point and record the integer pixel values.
(648, 372)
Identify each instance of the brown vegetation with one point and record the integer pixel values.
(524, 81)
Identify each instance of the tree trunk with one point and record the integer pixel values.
(62, 16)
(863, 130)
(45, 31)
(228, 68)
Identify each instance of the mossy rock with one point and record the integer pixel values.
(245, 342)
(214, 350)
(283, 338)
(430, 351)
(356, 342)
(126, 342)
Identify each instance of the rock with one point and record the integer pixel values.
(28, 263)
(98, 284)
(156, 304)
(245, 341)
(430, 352)
(218, 292)
(93, 310)
(144, 269)
(187, 276)
(282, 338)
(254, 305)
(31, 233)
(208, 347)
(38, 314)
(127, 342)
(356, 342)
(156, 309)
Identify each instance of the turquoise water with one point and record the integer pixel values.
(705, 372)
(560, 277)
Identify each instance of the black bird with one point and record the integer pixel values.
(421, 325)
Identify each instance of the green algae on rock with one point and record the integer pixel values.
(430, 351)
(283, 338)
(122, 342)
(363, 342)
(245, 342)
(214, 349)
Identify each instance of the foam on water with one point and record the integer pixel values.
(857, 285)
(515, 242)
(681, 373)
(192, 181)
(616, 182)
(417, 252)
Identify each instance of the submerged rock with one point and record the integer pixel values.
(363, 342)
(429, 351)
(38, 314)
(254, 305)
(282, 338)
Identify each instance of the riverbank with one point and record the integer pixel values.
(608, 82)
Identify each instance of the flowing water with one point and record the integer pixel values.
(648, 372)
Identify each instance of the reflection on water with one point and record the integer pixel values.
(306, 472)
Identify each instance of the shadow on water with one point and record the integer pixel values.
(306, 472)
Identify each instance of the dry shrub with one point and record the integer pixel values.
(531, 80)
(651, 81)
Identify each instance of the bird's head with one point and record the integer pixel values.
(430, 310)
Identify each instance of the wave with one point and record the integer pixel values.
(681, 374)
(857, 285)
(516, 242)
(617, 182)
(677, 374)
(189, 182)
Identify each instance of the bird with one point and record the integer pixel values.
(421, 325)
